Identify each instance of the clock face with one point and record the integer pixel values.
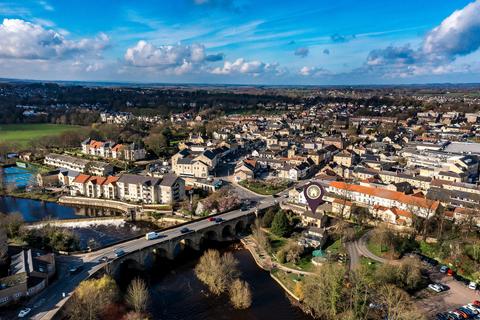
(314, 192)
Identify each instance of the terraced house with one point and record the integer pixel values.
(113, 150)
(371, 196)
(130, 187)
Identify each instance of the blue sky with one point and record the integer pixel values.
(242, 41)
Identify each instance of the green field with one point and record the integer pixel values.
(24, 133)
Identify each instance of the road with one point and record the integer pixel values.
(46, 303)
(358, 248)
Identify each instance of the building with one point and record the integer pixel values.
(130, 187)
(111, 149)
(29, 273)
(371, 196)
(78, 165)
(245, 170)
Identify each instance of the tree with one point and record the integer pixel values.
(259, 236)
(324, 291)
(397, 304)
(268, 217)
(240, 294)
(11, 223)
(360, 292)
(137, 295)
(281, 225)
(216, 271)
(3, 246)
(291, 252)
(91, 297)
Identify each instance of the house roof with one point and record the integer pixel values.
(387, 194)
(169, 180)
(81, 178)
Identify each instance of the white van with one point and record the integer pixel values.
(152, 235)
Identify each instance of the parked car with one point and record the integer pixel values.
(443, 269)
(450, 272)
(211, 219)
(437, 287)
(24, 312)
(119, 252)
(219, 220)
(472, 285)
(103, 259)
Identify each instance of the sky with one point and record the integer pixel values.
(305, 42)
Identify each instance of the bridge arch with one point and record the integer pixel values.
(227, 231)
(239, 227)
(181, 245)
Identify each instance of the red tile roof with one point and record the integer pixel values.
(387, 194)
(81, 178)
(96, 144)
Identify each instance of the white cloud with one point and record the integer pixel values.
(313, 71)
(178, 58)
(20, 39)
(254, 67)
(458, 34)
(45, 5)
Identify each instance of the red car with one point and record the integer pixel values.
(476, 303)
(450, 272)
(211, 219)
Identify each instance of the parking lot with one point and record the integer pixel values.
(458, 295)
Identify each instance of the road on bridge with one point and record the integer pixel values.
(49, 301)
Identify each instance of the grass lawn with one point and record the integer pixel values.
(24, 133)
(369, 263)
(265, 187)
(335, 248)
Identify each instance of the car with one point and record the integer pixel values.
(219, 220)
(472, 285)
(103, 259)
(466, 311)
(472, 307)
(24, 312)
(119, 252)
(211, 219)
(443, 269)
(441, 316)
(185, 230)
(75, 269)
(450, 272)
(460, 278)
(275, 196)
(152, 235)
(243, 208)
(437, 287)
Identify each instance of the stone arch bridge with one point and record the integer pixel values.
(171, 245)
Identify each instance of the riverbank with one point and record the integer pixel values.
(32, 195)
(284, 276)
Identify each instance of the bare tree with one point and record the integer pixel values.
(137, 295)
(397, 304)
(259, 236)
(240, 294)
(217, 271)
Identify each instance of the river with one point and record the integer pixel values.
(177, 294)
